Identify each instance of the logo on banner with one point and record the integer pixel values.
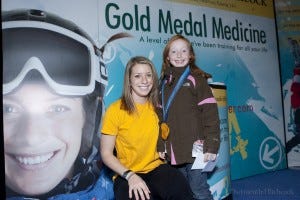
(270, 153)
(109, 54)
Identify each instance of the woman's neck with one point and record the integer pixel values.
(140, 100)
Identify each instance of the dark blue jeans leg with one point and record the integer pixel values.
(197, 181)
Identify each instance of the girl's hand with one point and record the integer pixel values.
(209, 157)
(138, 188)
(162, 155)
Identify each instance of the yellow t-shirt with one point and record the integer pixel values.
(136, 136)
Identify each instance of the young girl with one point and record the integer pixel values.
(131, 127)
(192, 115)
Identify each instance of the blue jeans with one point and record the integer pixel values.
(197, 181)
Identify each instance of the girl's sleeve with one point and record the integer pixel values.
(209, 115)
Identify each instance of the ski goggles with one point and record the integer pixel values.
(65, 59)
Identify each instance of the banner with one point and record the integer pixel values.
(238, 48)
(220, 179)
(51, 136)
(53, 86)
(288, 22)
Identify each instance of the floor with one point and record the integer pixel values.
(278, 185)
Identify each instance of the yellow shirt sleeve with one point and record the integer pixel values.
(110, 119)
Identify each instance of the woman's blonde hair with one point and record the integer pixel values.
(127, 102)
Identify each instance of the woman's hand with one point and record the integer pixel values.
(209, 157)
(138, 188)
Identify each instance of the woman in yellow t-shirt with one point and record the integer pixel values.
(131, 127)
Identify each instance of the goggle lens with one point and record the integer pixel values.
(66, 61)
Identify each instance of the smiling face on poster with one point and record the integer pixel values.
(52, 106)
(42, 137)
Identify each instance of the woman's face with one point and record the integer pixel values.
(141, 82)
(42, 138)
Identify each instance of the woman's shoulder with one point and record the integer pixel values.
(115, 105)
(116, 102)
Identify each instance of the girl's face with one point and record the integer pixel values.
(141, 82)
(42, 138)
(179, 53)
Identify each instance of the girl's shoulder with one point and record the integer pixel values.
(198, 78)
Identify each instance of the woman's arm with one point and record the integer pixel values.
(107, 153)
(137, 186)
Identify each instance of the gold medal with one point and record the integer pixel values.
(164, 130)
